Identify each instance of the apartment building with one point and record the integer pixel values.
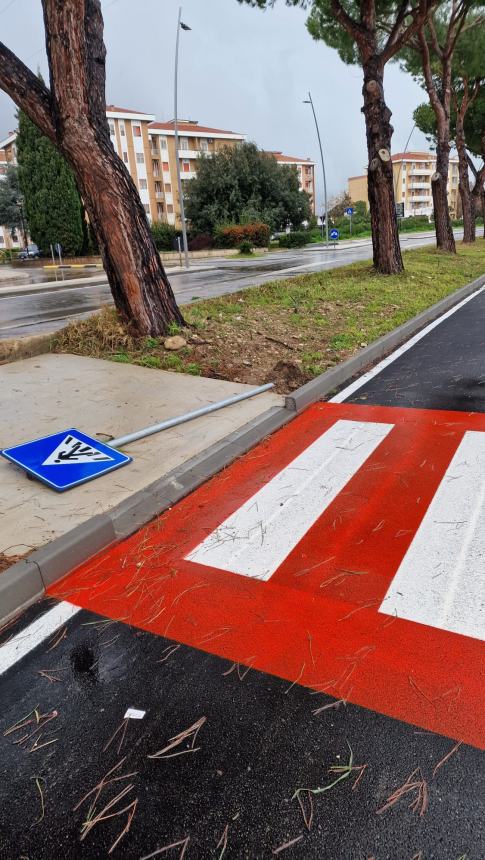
(306, 173)
(412, 183)
(194, 140)
(8, 155)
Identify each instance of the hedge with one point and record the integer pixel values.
(232, 235)
(294, 240)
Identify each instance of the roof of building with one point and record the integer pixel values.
(289, 159)
(362, 176)
(418, 156)
(192, 126)
(115, 109)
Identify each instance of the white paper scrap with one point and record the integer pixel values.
(133, 714)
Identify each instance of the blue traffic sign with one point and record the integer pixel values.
(66, 459)
(349, 211)
(334, 234)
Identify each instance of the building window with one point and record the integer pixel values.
(143, 185)
(186, 166)
(168, 187)
(165, 166)
(159, 208)
(121, 124)
(146, 207)
(140, 158)
(163, 143)
(111, 124)
(169, 208)
(125, 157)
(204, 144)
(184, 143)
(158, 187)
(136, 131)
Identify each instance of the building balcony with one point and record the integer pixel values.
(420, 198)
(420, 171)
(159, 195)
(424, 185)
(166, 176)
(187, 174)
(189, 153)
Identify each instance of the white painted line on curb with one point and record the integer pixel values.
(28, 639)
(257, 538)
(440, 581)
(366, 377)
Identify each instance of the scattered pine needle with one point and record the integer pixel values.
(415, 783)
(186, 735)
(296, 679)
(38, 780)
(183, 846)
(307, 813)
(222, 844)
(167, 652)
(446, 757)
(286, 845)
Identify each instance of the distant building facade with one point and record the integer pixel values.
(147, 148)
(306, 173)
(412, 183)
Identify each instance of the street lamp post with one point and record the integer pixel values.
(309, 101)
(180, 26)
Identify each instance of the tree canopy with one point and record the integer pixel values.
(10, 199)
(242, 184)
(52, 203)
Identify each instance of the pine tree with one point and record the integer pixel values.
(53, 206)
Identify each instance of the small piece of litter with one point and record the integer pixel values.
(133, 714)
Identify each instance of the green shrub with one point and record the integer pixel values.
(164, 235)
(294, 240)
(414, 222)
(246, 247)
(232, 235)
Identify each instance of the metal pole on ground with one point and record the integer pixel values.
(188, 416)
(309, 101)
(180, 26)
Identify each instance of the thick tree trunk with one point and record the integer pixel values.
(445, 241)
(76, 53)
(73, 116)
(467, 202)
(380, 179)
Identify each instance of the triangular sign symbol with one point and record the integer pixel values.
(74, 451)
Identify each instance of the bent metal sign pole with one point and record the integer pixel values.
(64, 460)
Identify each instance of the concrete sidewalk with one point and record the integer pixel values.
(55, 392)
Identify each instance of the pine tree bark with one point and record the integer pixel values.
(380, 177)
(445, 240)
(467, 203)
(73, 115)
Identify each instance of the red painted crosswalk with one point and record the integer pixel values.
(318, 557)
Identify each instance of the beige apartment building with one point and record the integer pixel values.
(305, 168)
(147, 147)
(412, 183)
(8, 154)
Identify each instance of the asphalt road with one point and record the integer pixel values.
(25, 311)
(210, 770)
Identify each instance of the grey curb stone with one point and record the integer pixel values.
(135, 511)
(337, 376)
(20, 585)
(71, 549)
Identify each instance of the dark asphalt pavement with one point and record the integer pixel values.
(42, 311)
(234, 796)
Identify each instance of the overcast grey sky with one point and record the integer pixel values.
(240, 69)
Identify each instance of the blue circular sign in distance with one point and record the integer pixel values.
(334, 234)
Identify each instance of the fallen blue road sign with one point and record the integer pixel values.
(66, 459)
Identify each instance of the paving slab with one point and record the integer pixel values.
(54, 392)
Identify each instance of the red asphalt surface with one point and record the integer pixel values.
(313, 623)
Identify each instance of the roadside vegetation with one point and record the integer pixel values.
(284, 331)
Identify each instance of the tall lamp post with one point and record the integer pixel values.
(309, 101)
(180, 26)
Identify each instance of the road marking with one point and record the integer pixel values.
(27, 639)
(441, 581)
(366, 377)
(255, 539)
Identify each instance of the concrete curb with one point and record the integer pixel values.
(27, 580)
(24, 347)
(343, 373)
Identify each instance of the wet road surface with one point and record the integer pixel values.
(234, 761)
(39, 311)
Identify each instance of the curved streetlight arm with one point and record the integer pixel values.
(310, 102)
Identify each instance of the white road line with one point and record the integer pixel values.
(28, 639)
(366, 377)
(441, 580)
(256, 538)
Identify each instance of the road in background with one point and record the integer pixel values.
(24, 311)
